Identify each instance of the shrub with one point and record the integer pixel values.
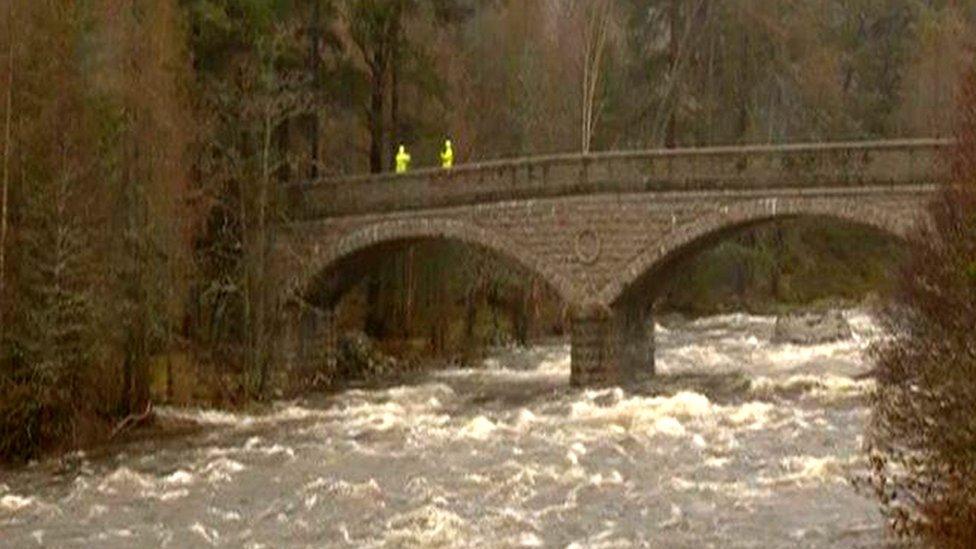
(922, 437)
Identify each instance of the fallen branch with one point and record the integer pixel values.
(133, 420)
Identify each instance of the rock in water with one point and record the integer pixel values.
(811, 328)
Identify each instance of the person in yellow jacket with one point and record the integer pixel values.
(402, 160)
(447, 156)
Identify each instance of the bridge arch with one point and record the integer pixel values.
(328, 265)
(627, 215)
(686, 240)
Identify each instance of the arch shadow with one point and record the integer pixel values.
(644, 275)
(339, 267)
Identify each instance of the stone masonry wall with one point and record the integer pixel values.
(593, 226)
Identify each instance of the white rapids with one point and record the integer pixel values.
(740, 443)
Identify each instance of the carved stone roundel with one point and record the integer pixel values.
(587, 246)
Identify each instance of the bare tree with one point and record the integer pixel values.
(284, 103)
(375, 29)
(598, 16)
(679, 54)
(7, 152)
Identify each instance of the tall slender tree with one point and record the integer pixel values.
(7, 153)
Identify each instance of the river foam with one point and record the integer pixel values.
(740, 442)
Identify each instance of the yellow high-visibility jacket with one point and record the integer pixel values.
(402, 160)
(447, 156)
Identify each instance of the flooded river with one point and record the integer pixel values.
(741, 443)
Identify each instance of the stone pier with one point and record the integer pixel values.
(612, 346)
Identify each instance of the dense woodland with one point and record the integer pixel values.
(145, 145)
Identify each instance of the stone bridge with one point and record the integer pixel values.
(602, 229)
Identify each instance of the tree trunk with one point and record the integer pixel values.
(595, 40)
(585, 97)
(7, 152)
(134, 283)
(374, 317)
(395, 137)
(470, 315)
(535, 300)
(442, 318)
(408, 290)
(376, 131)
(670, 132)
(394, 39)
(743, 121)
(262, 241)
(520, 318)
(247, 282)
(314, 68)
(777, 267)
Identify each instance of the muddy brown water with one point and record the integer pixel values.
(739, 443)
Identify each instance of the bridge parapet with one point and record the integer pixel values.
(603, 230)
(874, 163)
